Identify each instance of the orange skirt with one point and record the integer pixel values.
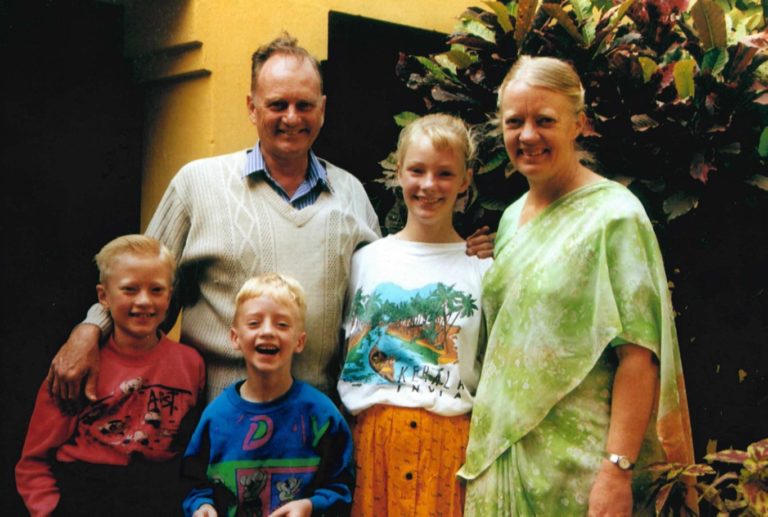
(407, 459)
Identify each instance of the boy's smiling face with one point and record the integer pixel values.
(137, 292)
(268, 332)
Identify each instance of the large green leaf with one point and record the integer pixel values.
(526, 9)
(581, 8)
(715, 60)
(602, 36)
(683, 74)
(475, 28)
(502, 15)
(709, 21)
(557, 12)
(493, 162)
(649, 67)
(454, 59)
(436, 70)
(762, 146)
(404, 118)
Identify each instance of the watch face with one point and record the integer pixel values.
(624, 463)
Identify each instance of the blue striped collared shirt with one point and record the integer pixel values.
(309, 190)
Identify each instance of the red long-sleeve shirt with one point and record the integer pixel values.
(141, 403)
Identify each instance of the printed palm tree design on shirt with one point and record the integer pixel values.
(391, 329)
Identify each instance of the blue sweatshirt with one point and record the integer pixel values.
(251, 458)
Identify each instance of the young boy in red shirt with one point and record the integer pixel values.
(120, 454)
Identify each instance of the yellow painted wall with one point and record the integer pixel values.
(214, 39)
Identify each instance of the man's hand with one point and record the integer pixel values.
(481, 242)
(611, 494)
(205, 510)
(76, 359)
(298, 508)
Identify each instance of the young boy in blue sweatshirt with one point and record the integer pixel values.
(270, 445)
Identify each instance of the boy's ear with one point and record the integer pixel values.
(300, 342)
(101, 293)
(234, 339)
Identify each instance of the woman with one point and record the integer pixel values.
(582, 355)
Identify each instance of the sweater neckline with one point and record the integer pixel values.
(140, 358)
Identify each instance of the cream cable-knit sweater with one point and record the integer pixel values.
(223, 229)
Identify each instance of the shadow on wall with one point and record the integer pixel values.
(71, 162)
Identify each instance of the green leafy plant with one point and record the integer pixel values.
(741, 490)
(677, 94)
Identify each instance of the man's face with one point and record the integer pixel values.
(287, 107)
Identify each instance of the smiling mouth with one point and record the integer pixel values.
(292, 132)
(532, 154)
(427, 201)
(267, 349)
(143, 315)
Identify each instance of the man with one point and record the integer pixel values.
(275, 207)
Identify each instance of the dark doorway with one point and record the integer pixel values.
(364, 94)
(71, 165)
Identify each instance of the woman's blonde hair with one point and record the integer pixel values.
(135, 244)
(443, 131)
(546, 72)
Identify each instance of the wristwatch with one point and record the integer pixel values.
(620, 461)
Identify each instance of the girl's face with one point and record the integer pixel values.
(540, 130)
(431, 180)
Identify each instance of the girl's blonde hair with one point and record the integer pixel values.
(134, 244)
(546, 72)
(443, 131)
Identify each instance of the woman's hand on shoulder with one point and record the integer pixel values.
(611, 494)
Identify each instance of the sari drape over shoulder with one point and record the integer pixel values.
(585, 274)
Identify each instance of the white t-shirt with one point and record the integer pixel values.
(412, 325)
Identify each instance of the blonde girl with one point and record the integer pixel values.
(413, 326)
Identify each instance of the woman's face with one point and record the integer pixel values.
(540, 129)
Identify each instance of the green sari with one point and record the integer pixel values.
(581, 277)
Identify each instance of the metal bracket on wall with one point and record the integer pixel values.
(170, 64)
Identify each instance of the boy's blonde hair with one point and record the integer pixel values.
(443, 131)
(135, 244)
(547, 72)
(281, 288)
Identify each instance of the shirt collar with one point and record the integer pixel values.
(316, 173)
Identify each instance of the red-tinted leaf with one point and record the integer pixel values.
(662, 496)
(759, 40)
(728, 456)
(469, 41)
(700, 168)
(667, 74)
(525, 11)
(565, 21)
(476, 74)
(441, 94)
(660, 468)
(759, 450)
(756, 496)
(698, 469)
